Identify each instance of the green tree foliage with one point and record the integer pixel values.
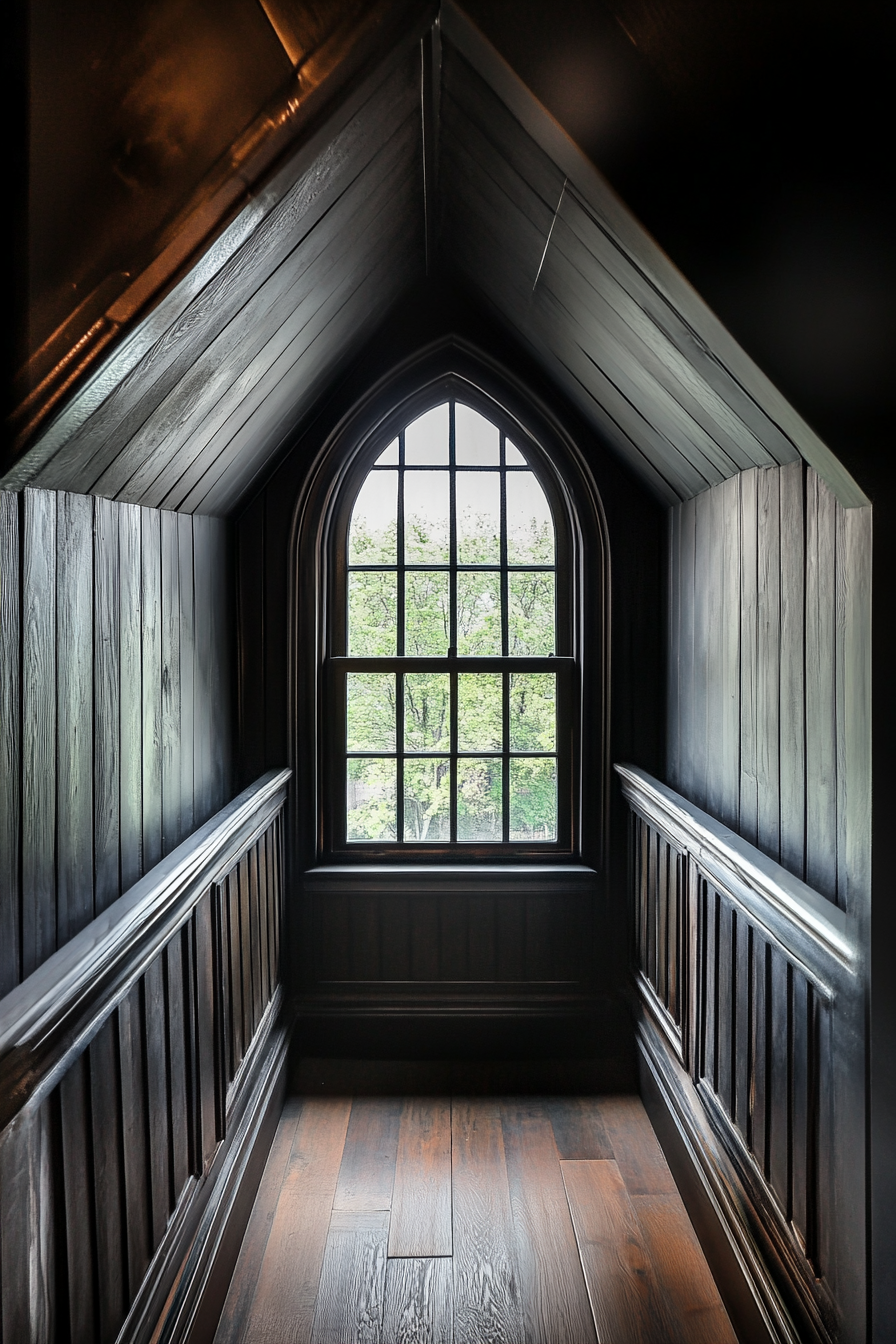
(371, 713)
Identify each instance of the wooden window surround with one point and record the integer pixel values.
(370, 439)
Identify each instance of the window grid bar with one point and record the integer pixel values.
(399, 766)
(399, 542)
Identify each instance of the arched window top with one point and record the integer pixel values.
(450, 656)
(451, 545)
(450, 638)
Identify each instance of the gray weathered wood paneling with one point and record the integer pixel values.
(766, 726)
(103, 712)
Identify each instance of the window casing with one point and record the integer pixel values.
(399, 773)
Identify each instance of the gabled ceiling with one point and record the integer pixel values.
(437, 161)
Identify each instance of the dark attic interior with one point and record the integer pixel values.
(445, 880)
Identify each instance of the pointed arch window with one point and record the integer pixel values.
(451, 667)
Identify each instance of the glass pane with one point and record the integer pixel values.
(480, 712)
(479, 809)
(427, 799)
(530, 527)
(533, 711)
(427, 711)
(372, 614)
(426, 439)
(370, 711)
(373, 530)
(479, 615)
(477, 442)
(478, 517)
(512, 455)
(533, 798)
(427, 617)
(426, 517)
(370, 800)
(389, 456)
(530, 619)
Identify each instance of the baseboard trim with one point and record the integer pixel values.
(715, 1201)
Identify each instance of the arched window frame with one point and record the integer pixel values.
(318, 574)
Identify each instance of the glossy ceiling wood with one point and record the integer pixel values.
(439, 160)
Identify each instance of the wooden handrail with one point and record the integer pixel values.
(812, 929)
(48, 1019)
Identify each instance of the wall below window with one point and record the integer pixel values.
(115, 720)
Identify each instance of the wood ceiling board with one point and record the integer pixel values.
(593, 327)
(357, 310)
(94, 441)
(482, 250)
(466, 96)
(632, 328)
(643, 251)
(177, 431)
(680, 347)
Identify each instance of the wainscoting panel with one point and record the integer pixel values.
(751, 1028)
(429, 939)
(127, 1062)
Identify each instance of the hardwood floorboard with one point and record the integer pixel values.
(695, 1309)
(419, 1304)
(367, 1173)
(487, 1306)
(283, 1308)
(421, 1197)
(554, 1297)
(578, 1128)
(624, 1292)
(352, 1280)
(635, 1147)
(542, 1247)
(255, 1239)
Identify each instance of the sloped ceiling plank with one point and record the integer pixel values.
(249, 390)
(95, 441)
(663, 328)
(591, 324)
(372, 278)
(632, 328)
(184, 423)
(489, 231)
(643, 253)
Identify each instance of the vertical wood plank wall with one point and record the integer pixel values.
(766, 669)
(115, 723)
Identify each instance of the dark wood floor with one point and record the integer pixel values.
(452, 1220)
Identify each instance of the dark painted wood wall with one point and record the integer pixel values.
(768, 697)
(116, 731)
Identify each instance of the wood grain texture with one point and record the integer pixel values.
(74, 691)
(106, 704)
(77, 1195)
(351, 1291)
(171, 736)
(367, 1170)
(756, 730)
(131, 694)
(418, 1307)
(27, 1250)
(421, 1196)
(695, 1313)
(578, 1126)
(555, 1304)
(487, 1301)
(636, 1150)
(38, 929)
(242, 1288)
(10, 742)
(283, 1309)
(624, 1293)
